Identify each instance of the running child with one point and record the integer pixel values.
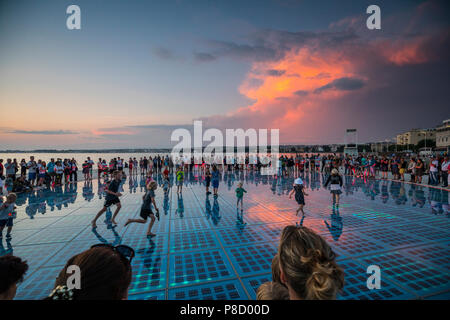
(335, 181)
(112, 198)
(7, 214)
(299, 195)
(146, 209)
(240, 197)
(180, 178)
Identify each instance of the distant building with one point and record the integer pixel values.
(443, 135)
(381, 146)
(414, 136)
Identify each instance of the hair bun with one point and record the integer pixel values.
(61, 293)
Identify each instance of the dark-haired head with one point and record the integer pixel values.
(12, 270)
(105, 275)
(307, 265)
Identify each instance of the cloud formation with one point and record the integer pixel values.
(344, 68)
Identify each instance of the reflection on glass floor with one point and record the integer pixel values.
(200, 252)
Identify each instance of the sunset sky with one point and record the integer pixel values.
(137, 70)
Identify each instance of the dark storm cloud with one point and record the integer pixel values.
(344, 84)
(301, 93)
(275, 73)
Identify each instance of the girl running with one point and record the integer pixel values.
(299, 195)
(335, 181)
(146, 209)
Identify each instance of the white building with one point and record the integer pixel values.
(443, 135)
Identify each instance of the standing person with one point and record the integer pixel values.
(403, 167)
(207, 181)
(59, 170)
(240, 197)
(86, 170)
(335, 181)
(23, 167)
(419, 170)
(384, 164)
(31, 166)
(42, 169)
(180, 178)
(299, 195)
(112, 198)
(7, 215)
(91, 166)
(412, 169)
(10, 170)
(445, 166)
(434, 167)
(215, 179)
(146, 208)
(51, 169)
(67, 171)
(12, 271)
(130, 167)
(73, 171)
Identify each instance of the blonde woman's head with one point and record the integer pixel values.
(307, 265)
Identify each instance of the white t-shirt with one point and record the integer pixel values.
(444, 166)
(31, 167)
(434, 166)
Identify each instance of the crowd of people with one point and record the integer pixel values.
(27, 175)
(304, 266)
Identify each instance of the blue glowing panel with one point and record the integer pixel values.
(196, 267)
(224, 290)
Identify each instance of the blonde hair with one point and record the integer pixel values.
(335, 171)
(272, 291)
(152, 185)
(308, 264)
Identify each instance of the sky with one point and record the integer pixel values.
(138, 70)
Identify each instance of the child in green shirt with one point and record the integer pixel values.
(240, 196)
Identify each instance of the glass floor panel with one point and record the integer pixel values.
(202, 252)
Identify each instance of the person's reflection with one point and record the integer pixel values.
(180, 208)
(418, 197)
(88, 195)
(166, 203)
(337, 225)
(384, 191)
(100, 190)
(109, 226)
(216, 211)
(445, 204)
(435, 201)
(142, 183)
(208, 207)
(8, 250)
(147, 251)
(300, 224)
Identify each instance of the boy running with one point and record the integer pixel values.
(112, 197)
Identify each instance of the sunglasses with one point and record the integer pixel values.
(125, 251)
